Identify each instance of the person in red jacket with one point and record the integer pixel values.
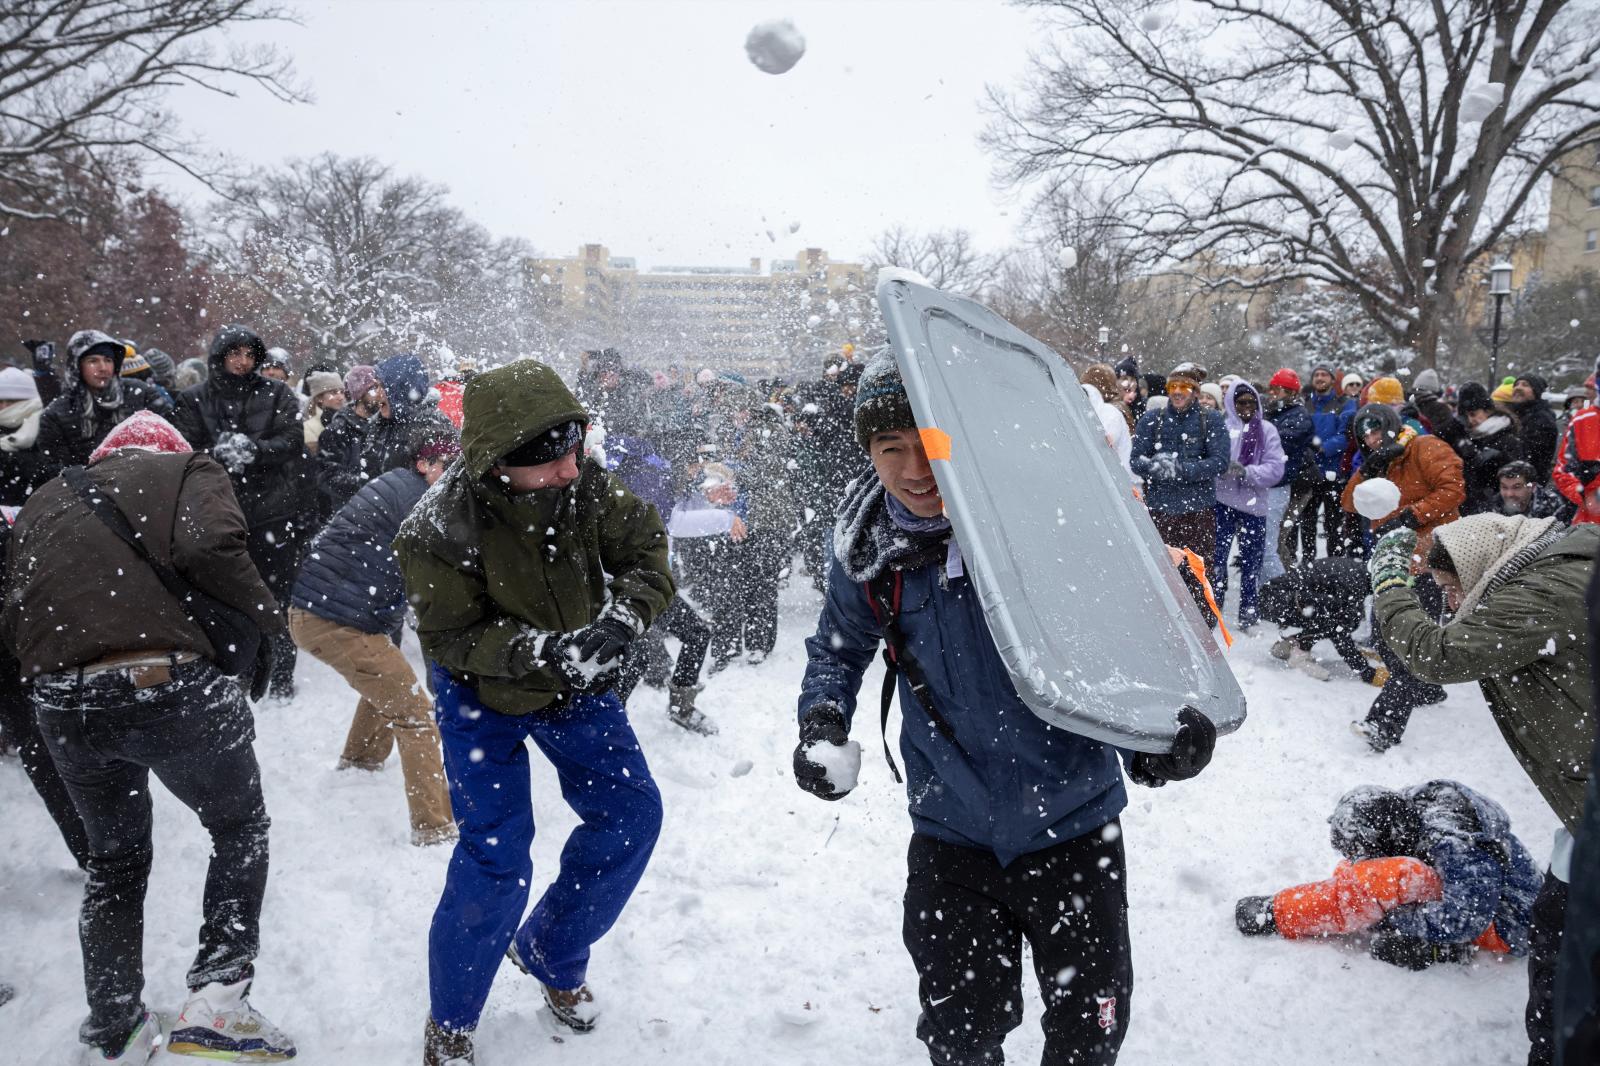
(1577, 470)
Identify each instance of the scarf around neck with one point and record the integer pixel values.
(868, 542)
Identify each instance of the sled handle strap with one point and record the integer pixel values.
(1198, 566)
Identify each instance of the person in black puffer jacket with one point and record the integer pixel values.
(100, 398)
(353, 451)
(1536, 424)
(347, 609)
(251, 425)
(1490, 443)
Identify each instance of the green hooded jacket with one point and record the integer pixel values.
(485, 569)
(1526, 644)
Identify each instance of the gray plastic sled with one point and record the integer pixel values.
(1086, 608)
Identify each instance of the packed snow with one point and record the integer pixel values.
(767, 928)
(1376, 498)
(775, 47)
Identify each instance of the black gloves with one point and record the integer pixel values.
(44, 357)
(1406, 519)
(824, 724)
(1409, 953)
(1587, 471)
(1192, 746)
(585, 659)
(1377, 464)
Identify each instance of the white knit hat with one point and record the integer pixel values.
(1351, 379)
(17, 385)
(1481, 545)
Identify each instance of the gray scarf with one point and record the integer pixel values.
(867, 542)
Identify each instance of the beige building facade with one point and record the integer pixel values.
(1572, 234)
(778, 321)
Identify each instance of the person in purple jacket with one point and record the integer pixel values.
(1256, 462)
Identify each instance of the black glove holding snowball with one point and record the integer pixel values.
(823, 724)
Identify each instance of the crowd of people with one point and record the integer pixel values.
(177, 532)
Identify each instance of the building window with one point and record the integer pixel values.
(1591, 240)
(1594, 196)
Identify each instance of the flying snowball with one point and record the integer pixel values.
(1152, 21)
(1067, 257)
(1376, 498)
(1339, 140)
(775, 47)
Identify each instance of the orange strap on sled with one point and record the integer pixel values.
(936, 442)
(1198, 567)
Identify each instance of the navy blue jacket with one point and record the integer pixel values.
(1199, 439)
(1296, 430)
(1012, 784)
(1330, 421)
(350, 576)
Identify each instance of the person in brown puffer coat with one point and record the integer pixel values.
(1427, 471)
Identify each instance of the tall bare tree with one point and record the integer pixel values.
(82, 83)
(947, 258)
(1379, 146)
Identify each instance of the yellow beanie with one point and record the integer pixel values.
(1386, 390)
(1501, 394)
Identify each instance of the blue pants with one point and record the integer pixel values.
(603, 778)
(1252, 531)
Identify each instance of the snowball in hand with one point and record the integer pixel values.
(842, 763)
(775, 47)
(1376, 498)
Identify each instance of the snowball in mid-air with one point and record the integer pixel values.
(1479, 101)
(775, 47)
(1376, 498)
(1153, 20)
(1067, 257)
(1339, 140)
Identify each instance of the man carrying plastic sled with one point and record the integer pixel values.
(1015, 822)
(531, 570)
(1434, 870)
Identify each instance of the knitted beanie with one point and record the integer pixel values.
(1481, 545)
(1386, 390)
(881, 402)
(1193, 373)
(146, 431)
(321, 381)
(359, 381)
(1473, 397)
(1285, 379)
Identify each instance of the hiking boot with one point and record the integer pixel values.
(574, 1008)
(1302, 661)
(352, 764)
(140, 1047)
(1253, 916)
(218, 1022)
(682, 711)
(1280, 648)
(439, 834)
(446, 1047)
(1369, 733)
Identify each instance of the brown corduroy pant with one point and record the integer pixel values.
(392, 712)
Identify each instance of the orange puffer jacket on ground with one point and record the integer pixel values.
(1358, 896)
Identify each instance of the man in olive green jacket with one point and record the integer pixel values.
(1516, 589)
(531, 569)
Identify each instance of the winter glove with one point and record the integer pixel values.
(1236, 470)
(1377, 464)
(1390, 565)
(1192, 746)
(235, 451)
(1410, 953)
(1587, 471)
(824, 724)
(44, 357)
(1163, 466)
(1406, 519)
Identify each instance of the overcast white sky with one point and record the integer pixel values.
(643, 125)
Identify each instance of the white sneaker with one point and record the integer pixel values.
(1302, 661)
(1280, 648)
(218, 1022)
(140, 1049)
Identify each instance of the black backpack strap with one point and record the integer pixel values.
(883, 593)
(94, 498)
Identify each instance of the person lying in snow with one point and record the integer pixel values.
(1432, 871)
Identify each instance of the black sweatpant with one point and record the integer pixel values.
(1404, 692)
(20, 729)
(965, 920)
(679, 620)
(196, 733)
(275, 549)
(1343, 643)
(1544, 952)
(1325, 497)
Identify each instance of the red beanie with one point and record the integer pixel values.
(143, 430)
(1286, 379)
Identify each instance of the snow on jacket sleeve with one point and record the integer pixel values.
(1499, 640)
(1218, 454)
(1471, 880)
(633, 547)
(463, 629)
(1144, 444)
(1269, 471)
(1447, 486)
(840, 651)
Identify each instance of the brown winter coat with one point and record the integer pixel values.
(75, 592)
(1432, 487)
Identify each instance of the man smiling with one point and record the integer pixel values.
(1012, 819)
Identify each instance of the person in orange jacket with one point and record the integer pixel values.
(1432, 871)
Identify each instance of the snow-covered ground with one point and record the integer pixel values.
(768, 926)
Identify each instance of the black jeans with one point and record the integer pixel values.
(965, 919)
(195, 732)
(760, 560)
(1325, 497)
(1343, 642)
(1404, 692)
(275, 550)
(679, 620)
(1544, 952)
(19, 727)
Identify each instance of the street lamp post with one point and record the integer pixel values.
(1499, 288)
(1105, 337)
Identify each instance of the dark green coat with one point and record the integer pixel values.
(483, 567)
(1527, 646)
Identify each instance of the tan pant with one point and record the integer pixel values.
(393, 711)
